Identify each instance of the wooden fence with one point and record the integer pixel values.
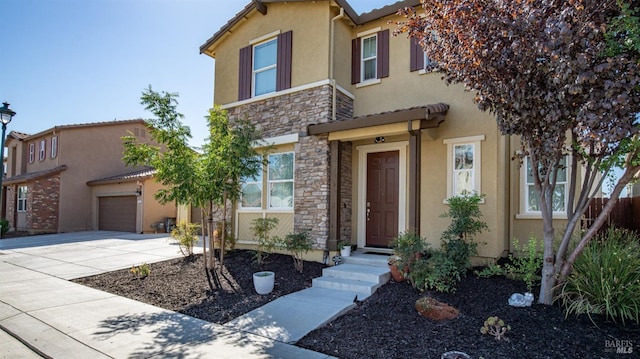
(625, 214)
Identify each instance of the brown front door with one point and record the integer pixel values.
(382, 198)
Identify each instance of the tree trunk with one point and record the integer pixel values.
(224, 229)
(212, 249)
(204, 237)
(548, 274)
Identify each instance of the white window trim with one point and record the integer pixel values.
(32, 152)
(292, 180)
(254, 72)
(476, 141)
(425, 64)
(526, 214)
(363, 151)
(54, 146)
(42, 150)
(363, 59)
(21, 199)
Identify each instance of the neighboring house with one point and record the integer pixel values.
(72, 178)
(367, 141)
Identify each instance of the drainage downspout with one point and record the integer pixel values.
(331, 62)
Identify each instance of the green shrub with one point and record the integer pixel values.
(4, 226)
(464, 211)
(297, 244)
(436, 271)
(186, 235)
(141, 271)
(407, 246)
(260, 227)
(491, 270)
(605, 279)
(495, 327)
(527, 264)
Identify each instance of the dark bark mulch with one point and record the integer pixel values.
(182, 285)
(384, 326)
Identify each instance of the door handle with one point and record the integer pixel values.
(368, 211)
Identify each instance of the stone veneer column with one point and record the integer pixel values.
(291, 114)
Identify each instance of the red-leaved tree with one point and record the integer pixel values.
(543, 69)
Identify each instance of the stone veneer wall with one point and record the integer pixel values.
(291, 114)
(346, 192)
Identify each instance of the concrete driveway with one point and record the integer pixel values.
(81, 254)
(42, 314)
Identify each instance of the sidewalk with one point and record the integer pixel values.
(61, 319)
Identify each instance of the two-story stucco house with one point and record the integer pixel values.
(367, 141)
(72, 178)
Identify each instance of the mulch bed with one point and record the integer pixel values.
(384, 326)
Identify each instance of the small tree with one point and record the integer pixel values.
(543, 69)
(260, 227)
(189, 177)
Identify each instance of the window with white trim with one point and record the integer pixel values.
(280, 180)
(278, 185)
(22, 199)
(369, 58)
(54, 146)
(531, 198)
(42, 150)
(264, 67)
(32, 152)
(464, 165)
(251, 196)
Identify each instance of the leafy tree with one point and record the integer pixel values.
(202, 179)
(544, 70)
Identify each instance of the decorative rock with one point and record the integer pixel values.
(455, 355)
(521, 300)
(435, 310)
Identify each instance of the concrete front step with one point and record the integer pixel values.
(366, 259)
(362, 289)
(376, 275)
(359, 279)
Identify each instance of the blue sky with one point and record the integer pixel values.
(80, 61)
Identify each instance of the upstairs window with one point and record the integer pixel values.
(265, 66)
(32, 152)
(42, 150)
(418, 59)
(54, 146)
(370, 56)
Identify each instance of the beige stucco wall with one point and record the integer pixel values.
(89, 153)
(149, 210)
(309, 48)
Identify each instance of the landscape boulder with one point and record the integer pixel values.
(435, 310)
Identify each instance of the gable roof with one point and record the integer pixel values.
(24, 136)
(259, 6)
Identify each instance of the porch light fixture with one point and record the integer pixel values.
(379, 139)
(6, 115)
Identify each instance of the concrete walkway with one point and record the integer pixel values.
(56, 318)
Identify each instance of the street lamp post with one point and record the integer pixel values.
(6, 114)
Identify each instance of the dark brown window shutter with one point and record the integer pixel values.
(244, 77)
(283, 69)
(355, 60)
(383, 53)
(416, 55)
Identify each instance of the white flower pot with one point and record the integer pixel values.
(345, 251)
(263, 282)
